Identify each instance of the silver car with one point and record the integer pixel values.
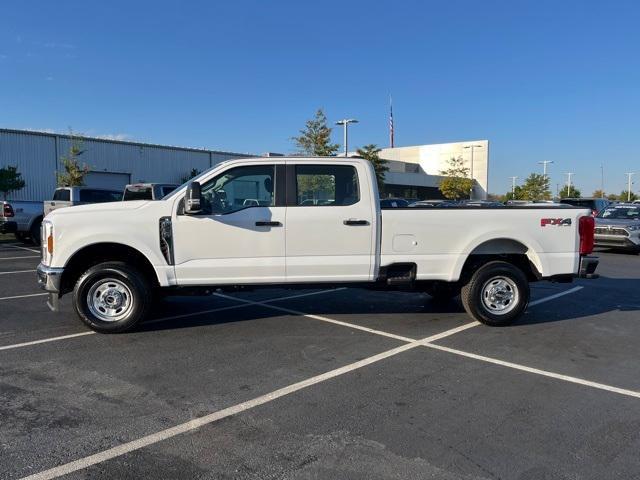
(618, 226)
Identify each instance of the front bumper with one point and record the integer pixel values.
(8, 227)
(49, 279)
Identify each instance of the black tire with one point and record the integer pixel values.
(443, 291)
(504, 280)
(34, 232)
(116, 282)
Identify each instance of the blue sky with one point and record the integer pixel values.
(542, 80)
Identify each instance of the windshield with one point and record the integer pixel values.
(621, 213)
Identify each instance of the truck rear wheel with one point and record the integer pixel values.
(496, 294)
(111, 297)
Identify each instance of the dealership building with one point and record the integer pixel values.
(413, 171)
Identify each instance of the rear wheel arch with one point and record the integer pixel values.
(507, 250)
(97, 253)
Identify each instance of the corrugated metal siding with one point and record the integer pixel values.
(34, 155)
(36, 158)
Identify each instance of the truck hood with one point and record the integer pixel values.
(99, 208)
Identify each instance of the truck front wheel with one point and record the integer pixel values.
(496, 294)
(111, 297)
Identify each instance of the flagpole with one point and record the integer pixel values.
(391, 121)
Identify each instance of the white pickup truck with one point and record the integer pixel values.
(299, 222)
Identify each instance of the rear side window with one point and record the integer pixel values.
(326, 185)
(99, 196)
(62, 195)
(138, 193)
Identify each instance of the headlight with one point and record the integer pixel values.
(47, 242)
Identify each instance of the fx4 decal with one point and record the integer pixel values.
(558, 222)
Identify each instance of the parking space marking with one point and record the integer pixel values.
(554, 296)
(16, 271)
(321, 318)
(47, 340)
(24, 296)
(17, 258)
(191, 425)
(537, 371)
(158, 320)
(13, 245)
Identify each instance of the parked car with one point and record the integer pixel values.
(393, 203)
(595, 204)
(618, 226)
(432, 203)
(25, 216)
(7, 222)
(70, 196)
(147, 191)
(113, 257)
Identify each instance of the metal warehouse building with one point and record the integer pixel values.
(112, 164)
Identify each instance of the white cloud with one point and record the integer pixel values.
(115, 136)
(49, 78)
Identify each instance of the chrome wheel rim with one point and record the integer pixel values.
(110, 300)
(500, 295)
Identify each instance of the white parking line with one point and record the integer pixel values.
(16, 271)
(24, 296)
(553, 297)
(537, 371)
(323, 319)
(46, 340)
(17, 258)
(158, 320)
(191, 425)
(13, 245)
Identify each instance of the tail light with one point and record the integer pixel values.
(7, 210)
(586, 230)
(594, 213)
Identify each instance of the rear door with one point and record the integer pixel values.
(330, 234)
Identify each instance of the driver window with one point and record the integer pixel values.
(239, 188)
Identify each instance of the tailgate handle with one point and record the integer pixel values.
(268, 224)
(353, 221)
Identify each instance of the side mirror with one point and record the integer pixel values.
(193, 199)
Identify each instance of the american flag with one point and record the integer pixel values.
(391, 122)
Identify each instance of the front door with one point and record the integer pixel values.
(330, 223)
(240, 235)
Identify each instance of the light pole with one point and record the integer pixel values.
(472, 147)
(345, 124)
(513, 186)
(544, 164)
(601, 180)
(629, 175)
(568, 174)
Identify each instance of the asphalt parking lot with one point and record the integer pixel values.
(337, 383)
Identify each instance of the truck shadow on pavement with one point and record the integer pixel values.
(601, 296)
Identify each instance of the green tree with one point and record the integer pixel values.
(573, 192)
(192, 174)
(10, 180)
(599, 194)
(456, 184)
(624, 196)
(315, 138)
(612, 196)
(371, 152)
(536, 187)
(516, 194)
(74, 173)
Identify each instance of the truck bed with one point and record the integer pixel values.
(439, 240)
